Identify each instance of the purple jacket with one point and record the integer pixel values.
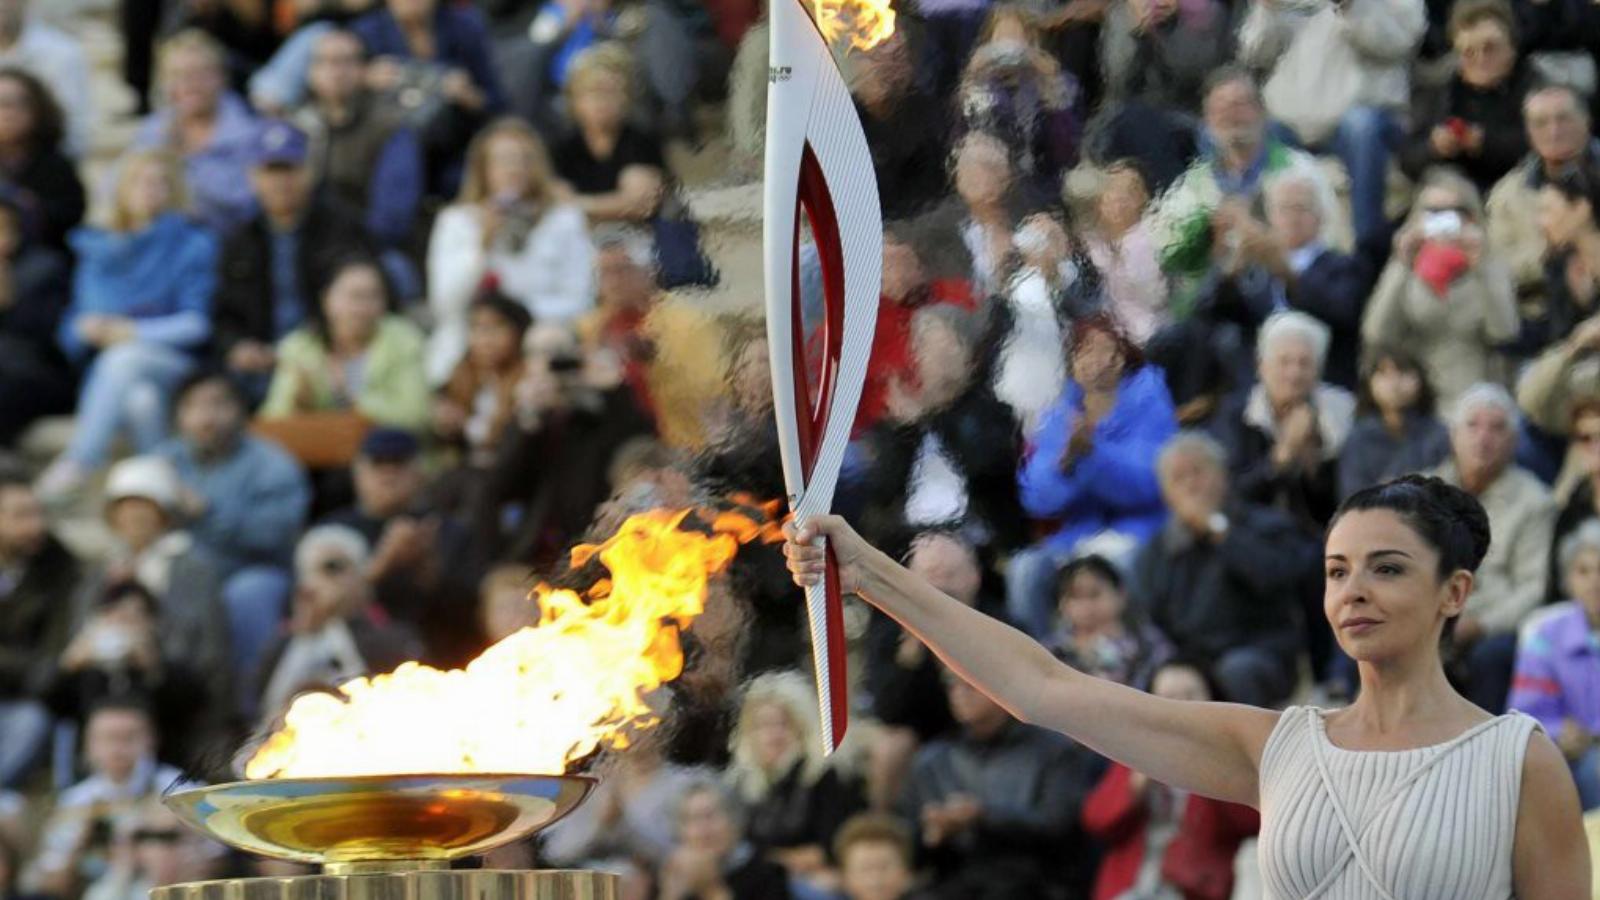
(1558, 669)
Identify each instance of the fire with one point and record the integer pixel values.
(543, 697)
(864, 23)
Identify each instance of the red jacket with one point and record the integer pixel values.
(1198, 862)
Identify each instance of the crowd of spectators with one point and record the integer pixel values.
(387, 303)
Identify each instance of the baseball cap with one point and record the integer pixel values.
(278, 143)
(146, 478)
(392, 445)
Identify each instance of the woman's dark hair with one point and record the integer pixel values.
(118, 591)
(1578, 183)
(494, 300)
(1196, 664)
(211, 375)
(1402, 358)
(317, 318)
(1093, 564)
(49, 124)
(1105, 323)
(1445, 517)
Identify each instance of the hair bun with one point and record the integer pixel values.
(1463, 510)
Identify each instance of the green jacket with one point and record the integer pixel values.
(394, 391)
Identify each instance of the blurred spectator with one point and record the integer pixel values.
(1013, 89)
(630, 815)
(37, 576)
(572, 412)
(508, 227)
(616, 168)
(875, 859)
(55, 58)
(1284, 435)
(625, 296)
(1097, 632)
(1558, 132)
(1510, 582)
(153, 849)
(946, 451)
(246, 29)
(1396, 431)
(712, 859)
(1340, 82)
(423, 566)
(1157, 54)
(1445, 294)
(35, 286)
(909, 283)
(1567, 219)
(11, 862)
(1580, 504)
(124, 649)
(478, 404)
(432, 60)
(140, 310)
(1090, 467)
(742, 453)
(354, 352)
(363, 153)
(280, 85)
(993, 203)
(795, 800)
(1239, 154)
(907, 127)
(1120, 246)
(1558, 672)
(119, 744)
(273, 264)
(1160, 841)
(1024, 334)
(1475, 121)
(336, 632)
(1219, 580)
(206, 125)
(34, 174)
(997, 805)
(506, 604)
(247, 501)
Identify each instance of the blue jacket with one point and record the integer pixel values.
(1114, 486)
(161, 277)
(460, 35)
(256, 501)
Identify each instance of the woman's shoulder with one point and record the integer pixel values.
(400, 331)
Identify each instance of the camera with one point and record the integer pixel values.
(1441, 224)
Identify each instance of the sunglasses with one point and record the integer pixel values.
(157, 836)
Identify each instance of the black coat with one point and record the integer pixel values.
(243, 306)
(1309, 497)
(51, 194)
(1334, 289)
(794, 814)
(1371, 455)
(35, 379)
(36, 617)
(1498, 111)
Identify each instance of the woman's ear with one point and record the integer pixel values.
(1458, 587)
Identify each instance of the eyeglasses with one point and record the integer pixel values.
(157, 836)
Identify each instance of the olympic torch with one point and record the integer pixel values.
(818, 164)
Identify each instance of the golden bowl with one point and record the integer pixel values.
(345, 822)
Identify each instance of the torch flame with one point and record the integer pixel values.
(864, 23)
(543, 697)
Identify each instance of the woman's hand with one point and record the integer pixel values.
(807, 560)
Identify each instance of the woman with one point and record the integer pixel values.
(1398, 570)
(478, 404)
(1443, 293)
(1098, 632)
(1015, 90)
(43, 179)
(1581, 504)
(712, 859)
(509, 226)
(1396, 432)
(1161, 842)
(35, 284)
(1090, 466)
(355, 354)
(1475, 121)
(140, 311)
(1557, 672)
(1121, 247)
(618, 171)
(795, 800)
(993, 203)
(1567, 209)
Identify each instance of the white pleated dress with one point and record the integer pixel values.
(1431, 823)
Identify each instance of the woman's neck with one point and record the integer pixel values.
(1394, 420)
(1400, 691)
(989, 214)
(348, 346)
(601, 140)
(194, 131)
(419, 37)
(1097, 401)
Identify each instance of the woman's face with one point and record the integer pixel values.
(1289, 371)
(983, 174)
(704, 825)
(1382, 593)
(193, 82)
(1394, 387)
(943, 360)
(1097, 363)
(1090, 604)
(1010, 29)
(1179, 682)
(1562, 220)
(902, 270)
(508, 167)
(507, 610)
(16, 113)
(146, 191)
(492, 342)
(773, 736)
(1486, 53)
(600, 102)
(136, 521)
(1583, 582)
(354, 304)
(1586, 440)
(1122, 201)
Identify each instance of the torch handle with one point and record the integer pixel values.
(825, 606)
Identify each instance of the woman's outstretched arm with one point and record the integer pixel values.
(1212, 749)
